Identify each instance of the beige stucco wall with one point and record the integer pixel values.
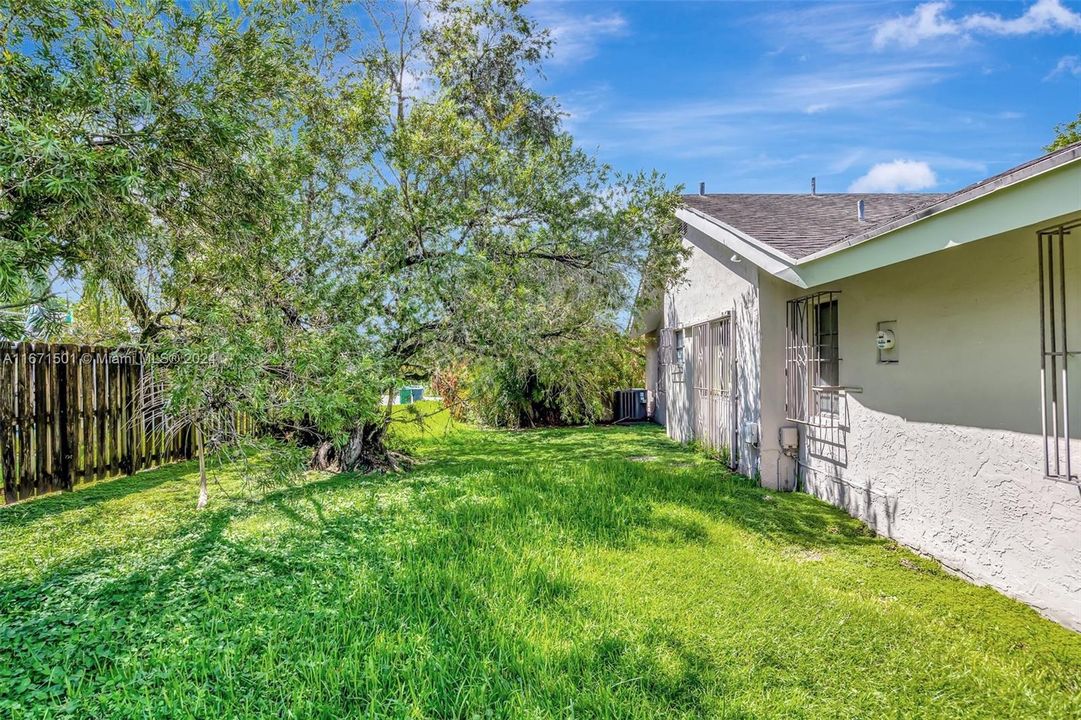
(943, 450)
(778, 471)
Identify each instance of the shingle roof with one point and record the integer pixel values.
(800, 225)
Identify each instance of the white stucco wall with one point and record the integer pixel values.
(943, 450)
(778, 471)
(712, 286)
(652, 361)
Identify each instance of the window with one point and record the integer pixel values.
(812, 359)
(828, 365)
(679, 349)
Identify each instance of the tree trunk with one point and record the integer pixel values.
(202, 468)
(364, 451)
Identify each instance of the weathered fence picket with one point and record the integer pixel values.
(75, 413)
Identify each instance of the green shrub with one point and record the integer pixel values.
(569, 384)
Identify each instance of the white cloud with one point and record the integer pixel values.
(896, 176)
(929, 21)
(1042, 17)
(797, 94)
(1068, 65)
(579, 106)
(778, 106)
(575, 38)
(793, 29)
(925, 22)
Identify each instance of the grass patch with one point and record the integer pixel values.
(601, 572)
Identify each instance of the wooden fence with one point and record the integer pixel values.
(75, 413)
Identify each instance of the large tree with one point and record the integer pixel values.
(477, 228)
(141, 157)
(314, 205)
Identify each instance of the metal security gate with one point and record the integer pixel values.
(1059, 299)
(664, 368)
(713, 374)
(812, 391)
(723, 387)
(699, 370)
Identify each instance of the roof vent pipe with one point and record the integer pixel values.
(859, 210)
(701, 188)
(813, 187)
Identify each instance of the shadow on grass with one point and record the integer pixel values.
(442, 592)
(444, 607)
(603, 497)
(91, 494)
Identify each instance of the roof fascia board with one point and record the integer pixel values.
(1037, 199)
(769, 259)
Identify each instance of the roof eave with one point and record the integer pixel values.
(1046, 164)
(768, 258)
(1040, 201)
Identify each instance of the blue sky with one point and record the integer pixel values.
(760, 97)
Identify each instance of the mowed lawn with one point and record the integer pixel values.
(560, 573)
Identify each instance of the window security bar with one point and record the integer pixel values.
(811, 359)
(1056, 357)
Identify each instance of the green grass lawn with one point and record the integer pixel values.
(561, 573)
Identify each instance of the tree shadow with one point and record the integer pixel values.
(446, 602)
(91, 494)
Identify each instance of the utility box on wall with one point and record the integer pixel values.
(886, 343)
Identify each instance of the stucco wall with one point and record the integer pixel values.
(712, 286)
(942, 451)
(656, 411)
(778, 471)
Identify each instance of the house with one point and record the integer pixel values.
(910, 358)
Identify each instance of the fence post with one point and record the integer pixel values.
(62, 471)
(86, 395)
(41, 420)
(7, 422)
(100, 375)
(128, 419)
(24, 397)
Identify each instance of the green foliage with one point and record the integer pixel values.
(1066, 134)
(509, 575)
(300, 207)
(134, 136)
(262, 463)
(99, 318)
(563, 381)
